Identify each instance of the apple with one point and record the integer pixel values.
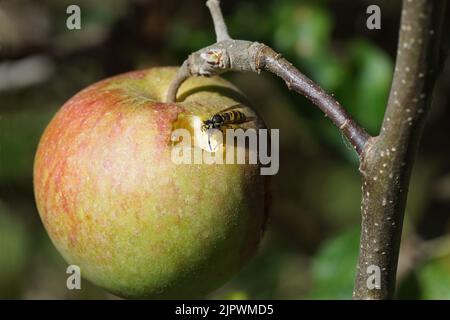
(136, 223)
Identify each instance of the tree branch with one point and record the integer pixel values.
(270, 61)
(387, 160)
(240, 55)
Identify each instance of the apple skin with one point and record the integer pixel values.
(114, 203)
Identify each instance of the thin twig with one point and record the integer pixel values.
(387, 160)
(219, 23)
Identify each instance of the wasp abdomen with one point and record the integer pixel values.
(232, 117)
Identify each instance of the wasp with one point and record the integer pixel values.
(226, 118)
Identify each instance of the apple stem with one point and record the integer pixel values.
(182, 74)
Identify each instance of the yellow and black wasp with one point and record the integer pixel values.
(225, 118)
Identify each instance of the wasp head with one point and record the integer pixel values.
(207, 124)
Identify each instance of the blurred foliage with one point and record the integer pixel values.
(334, 267)
(20, 148)
(431, 278)
(311, 247)
(434, 279)
(13, 257)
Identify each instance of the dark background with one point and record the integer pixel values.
(311, 246)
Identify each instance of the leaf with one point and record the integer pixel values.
(434, 279)
(431, 278)
(303, 29)
(334, 267)
(367, 93)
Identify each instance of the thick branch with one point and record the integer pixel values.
(387, 160)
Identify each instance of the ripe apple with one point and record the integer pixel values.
(114, 203)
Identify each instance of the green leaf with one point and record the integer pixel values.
(434, 279)
(334, 267)
(303, 29)
(367, 93)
